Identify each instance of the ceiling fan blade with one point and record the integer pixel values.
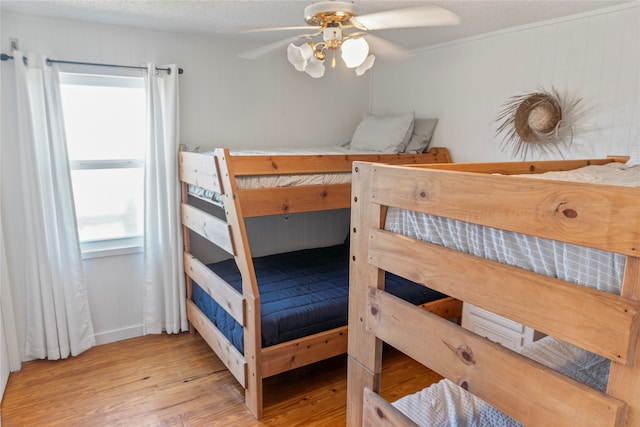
(385, 49)
(255, 53)
(412, 17)
(242, 30)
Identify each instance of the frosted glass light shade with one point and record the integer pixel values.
(354, 52)
(315, 68)
(368, 63)
(299, 56)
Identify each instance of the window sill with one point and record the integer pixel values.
(105, 248)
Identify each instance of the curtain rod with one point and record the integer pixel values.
(5, 57)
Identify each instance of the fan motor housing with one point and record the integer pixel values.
(330, 12)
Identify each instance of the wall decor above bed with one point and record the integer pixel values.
(538, 121)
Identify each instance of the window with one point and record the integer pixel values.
(105, 128)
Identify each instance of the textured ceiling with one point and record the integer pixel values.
(213, 16)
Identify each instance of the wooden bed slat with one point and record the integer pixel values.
(289, 200)
(217, 288)
(598, 216)
(224, 349)
(196, 169)
(379, 412)
(489, 370)
(304, 351)
(208, 226)
(603, 323)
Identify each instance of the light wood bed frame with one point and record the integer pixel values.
(218, 173)
(599, 216)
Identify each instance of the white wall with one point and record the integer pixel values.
(594, 56)
(224, 101)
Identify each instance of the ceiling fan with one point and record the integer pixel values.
(338, 26)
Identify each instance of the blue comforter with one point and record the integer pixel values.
(301, 293)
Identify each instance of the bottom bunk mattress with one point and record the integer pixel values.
(301, 293)
(445, 404)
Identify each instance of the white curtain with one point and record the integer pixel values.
(9, 347)
(164, 290)
(58, 321)
(7, 317)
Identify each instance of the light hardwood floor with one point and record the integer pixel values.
(176, 380)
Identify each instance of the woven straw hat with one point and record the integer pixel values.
(537, 116)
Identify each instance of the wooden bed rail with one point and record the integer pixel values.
(213, 229)
(569, 212)
(289, 200)
(196, 169)
(323, 163)
(515, 168)
(224, 294)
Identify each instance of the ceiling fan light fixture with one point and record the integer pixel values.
(354, 52)
(367, 64)
(299, 56)
(341, 28)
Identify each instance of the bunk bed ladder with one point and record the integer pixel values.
(251, 295)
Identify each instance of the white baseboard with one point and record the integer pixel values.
(118, 334)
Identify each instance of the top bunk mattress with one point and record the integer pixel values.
(576, 264)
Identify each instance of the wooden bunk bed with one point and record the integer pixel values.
(246, 355)
(518, 386)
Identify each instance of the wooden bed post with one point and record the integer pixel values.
(186, 238)
(242, 255)
(624, 381)
(365, 350)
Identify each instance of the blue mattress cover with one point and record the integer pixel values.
(301, 293)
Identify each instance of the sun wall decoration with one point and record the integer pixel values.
(538, 122)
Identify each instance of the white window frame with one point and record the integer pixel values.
(115, 246)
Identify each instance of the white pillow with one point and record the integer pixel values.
(422, 134)
(384, 134)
